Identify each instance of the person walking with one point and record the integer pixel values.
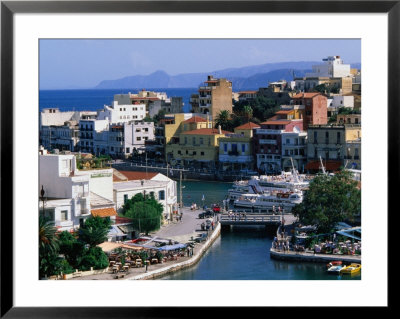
(212, 225)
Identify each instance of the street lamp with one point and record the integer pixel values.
(42, 192)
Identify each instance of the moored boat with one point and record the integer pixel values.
(351, 269)
(334, 267)
(285, 201)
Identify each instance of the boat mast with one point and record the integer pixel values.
(322, 166)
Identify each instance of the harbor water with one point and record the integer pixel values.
(242, 253)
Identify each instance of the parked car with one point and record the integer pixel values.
(206, 214)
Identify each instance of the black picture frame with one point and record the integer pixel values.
(9, 8)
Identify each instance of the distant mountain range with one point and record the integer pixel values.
(244, 78)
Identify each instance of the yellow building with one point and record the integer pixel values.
(195, 148)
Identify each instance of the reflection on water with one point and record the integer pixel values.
(242, 253)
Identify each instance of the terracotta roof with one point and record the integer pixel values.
(248, 126)
(103, 212)
(195, 119)
(276, 122)
(284, 112)
(329, 165)
(306, 95)
(206, 131)
(145, 98)
(122, 220)
(134, 175)
(248, 92)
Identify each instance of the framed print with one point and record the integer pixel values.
(158, 62)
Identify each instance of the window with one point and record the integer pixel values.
(128, 150)
(138, 138)
(179, 152)
(161, 195)
(338, 138)
(225, 147)
(201, 140)
(243, 148)
(315, 136)
(194, 153)
(64, 215)
(193, 140)
(125, 198)
(202, 153)
(287, 141)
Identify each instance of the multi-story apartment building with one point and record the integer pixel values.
(89, 131)
(348, 119)
(123, 139)
(268, 143)
(294, 149)
(235, 149)
(247, 95)
(332, 67)
(153, 101)
(122, 113)
(194, 142)
(314, 107)
(72, 195)
(329, 142)
(213, 98)
(333, 73)
(59, 130)
(61, 137)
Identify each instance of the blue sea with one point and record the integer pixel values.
(93, 100)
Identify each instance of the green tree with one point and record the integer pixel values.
(224, 119)
(248, 112)
(94, 257)
(145, 216)
(48, 240)
(94, 231)
(72, 249)
(329, 200)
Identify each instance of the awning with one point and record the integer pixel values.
(114, 231)
(172, 247)
(103, 212)
(126, 228)
(329, 165)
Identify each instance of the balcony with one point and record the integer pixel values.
(233, 153)
(269, 142)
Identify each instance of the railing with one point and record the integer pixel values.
(249, 219)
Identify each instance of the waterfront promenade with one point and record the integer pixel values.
(181, 231)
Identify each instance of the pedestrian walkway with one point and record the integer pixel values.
(181, 231)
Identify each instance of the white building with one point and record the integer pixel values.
(294, 147)
(61, 137)
(72, 195)
(122, 113)
(337, 101)
(332, 68)
(129, 183)
(89, 129)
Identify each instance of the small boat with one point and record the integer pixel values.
(351, 269)
(334, 263)
(334, 267)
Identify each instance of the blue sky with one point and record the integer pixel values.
(84, 63)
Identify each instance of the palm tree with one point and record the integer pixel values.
(223, 119)
(248, 112)
(48, 239)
